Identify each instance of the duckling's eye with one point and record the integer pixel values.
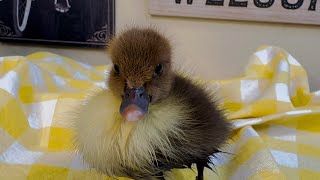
(116, 69)
(158, 70)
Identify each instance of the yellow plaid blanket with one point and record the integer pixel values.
(277, 119)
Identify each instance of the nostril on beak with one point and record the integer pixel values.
(135, 93)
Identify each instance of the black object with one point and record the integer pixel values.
(89, 23)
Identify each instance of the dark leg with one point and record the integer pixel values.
(200, 168)
(160, 176)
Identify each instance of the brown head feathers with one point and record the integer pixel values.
(141, 57)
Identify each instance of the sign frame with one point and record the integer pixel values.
(274, 11)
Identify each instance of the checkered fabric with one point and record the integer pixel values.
(276, 118)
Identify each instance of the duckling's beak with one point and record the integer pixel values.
(134, 104)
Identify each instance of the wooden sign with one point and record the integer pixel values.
(284, 11)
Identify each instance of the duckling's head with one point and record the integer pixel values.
(141, 74)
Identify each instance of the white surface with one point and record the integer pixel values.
(41, 114)
(285, 158)
(282, 92)
(249, 90)
(17, 154)
(10, 82)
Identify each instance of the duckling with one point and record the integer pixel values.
(151, 119)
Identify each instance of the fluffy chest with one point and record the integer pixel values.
(109, 143)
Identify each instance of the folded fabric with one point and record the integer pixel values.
(276, 119)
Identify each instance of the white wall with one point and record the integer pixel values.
(215, 49)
